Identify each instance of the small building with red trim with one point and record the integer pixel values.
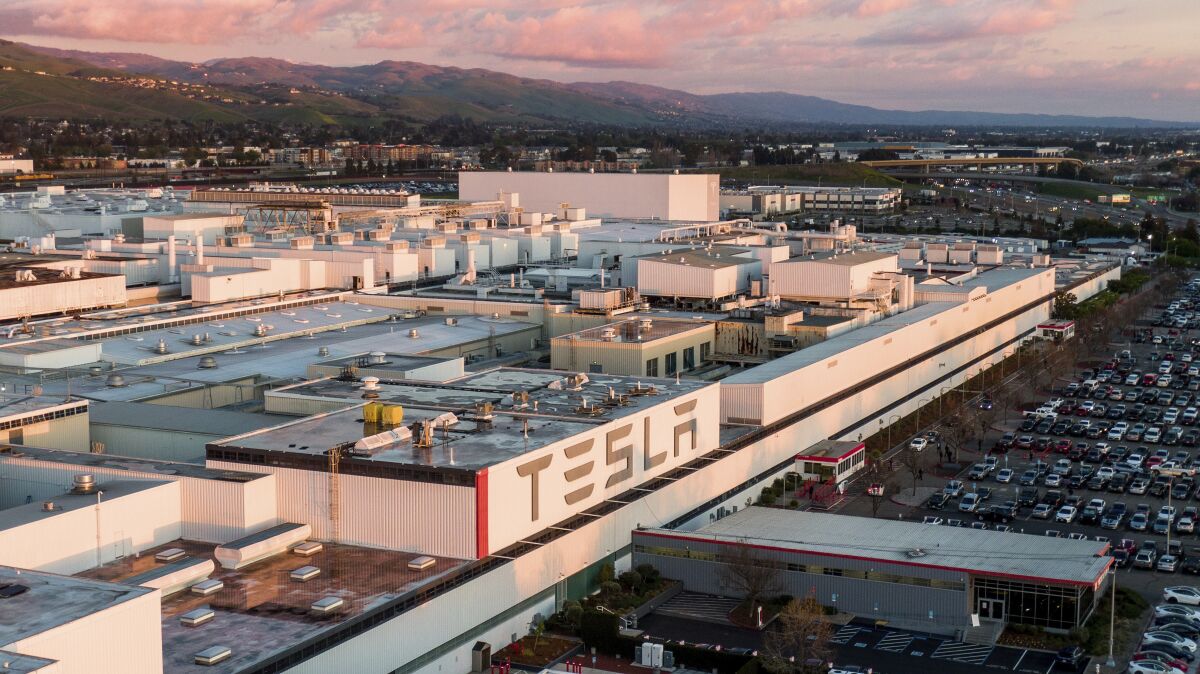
(919, 576)
(1057, 330)
(832, 461)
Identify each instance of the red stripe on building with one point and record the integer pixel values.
(992, 574)
(481, 513)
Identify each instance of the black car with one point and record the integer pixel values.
(1119, 483)
(1191, 565)
(937, 501)
(1123, 559)
(1070, 657)
(1028, 496)
(997, 513)
(1053, 497)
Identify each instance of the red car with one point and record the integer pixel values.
(1167, 660)
(1152, 461)
(1127, 544)
(1062, 446)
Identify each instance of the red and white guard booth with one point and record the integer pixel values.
(832, 461)
(1057, 331)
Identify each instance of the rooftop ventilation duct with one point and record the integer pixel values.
(260, 330)
(114, 381)
(323, 351)
(83, 483)
(207, 363)
(377, 357)
(161, 347)
(370, 387)
(197, 339)
(413, 333)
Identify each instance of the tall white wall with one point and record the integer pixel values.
(609, 195)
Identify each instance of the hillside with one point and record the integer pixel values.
(422, 92)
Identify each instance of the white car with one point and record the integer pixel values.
(931, 519)
(1176, 611)
(918, 444)
(1152, 667)
(1004, 476)
(969, 503)
(1171, 638)
(1066, 515)
(1181, 594)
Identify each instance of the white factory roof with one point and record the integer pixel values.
(778, 367)
(28, 513)
(84, 460)
(1005, 554)
(53, 601)
(468, 444)
(198, 421)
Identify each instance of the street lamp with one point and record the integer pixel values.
(1112, 616)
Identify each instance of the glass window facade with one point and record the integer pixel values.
(1057, 607)
(652, 367)
(672, 363)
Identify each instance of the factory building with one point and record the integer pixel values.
(505, 453)
(907, 573)
(661, 196)
(636, 347)
(766, 201)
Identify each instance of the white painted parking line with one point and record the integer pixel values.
(845, 634)
(894, 642)
(1023, 654)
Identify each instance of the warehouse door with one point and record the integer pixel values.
(991, 609)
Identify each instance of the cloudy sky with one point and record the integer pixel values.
(1098, 57)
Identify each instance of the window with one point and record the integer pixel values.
(672, 364)
(652, 367)
(705, 349)
(689, 358)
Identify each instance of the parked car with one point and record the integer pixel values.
(1182, 594)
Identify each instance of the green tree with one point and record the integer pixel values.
(1066, 305)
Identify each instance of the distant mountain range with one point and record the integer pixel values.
(97, 84)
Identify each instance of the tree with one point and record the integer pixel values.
(1066, 305)
(910, 458)
(750, 575)
(799, 639)
(878, 497)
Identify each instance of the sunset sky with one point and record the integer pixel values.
(1095, 57)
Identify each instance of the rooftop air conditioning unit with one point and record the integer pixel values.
(83, 483)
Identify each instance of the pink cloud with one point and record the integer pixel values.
(873, 8)
(577, 36)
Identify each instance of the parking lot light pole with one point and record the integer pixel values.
(1112, 617)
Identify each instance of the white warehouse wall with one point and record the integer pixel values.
(609, 195)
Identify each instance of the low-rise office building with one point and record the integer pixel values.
(637, 346)
(941, 579)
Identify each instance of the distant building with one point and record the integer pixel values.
(662, 196)
(10, 164)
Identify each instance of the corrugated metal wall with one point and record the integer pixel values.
(426, 518)
(884, 600)
(214, 511)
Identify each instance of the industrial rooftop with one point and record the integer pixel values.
(260, 610)
(53, 601)
(638, 329)
(956, 548)
(547, 416)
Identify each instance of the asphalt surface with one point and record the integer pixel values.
(885, 650)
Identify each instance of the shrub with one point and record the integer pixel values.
(610, 588)
(794, 503)
(606, 574)
(766, 498)
(632, 581)
(650, 575)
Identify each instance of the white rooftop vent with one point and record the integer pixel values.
(370, 383)
(208, 587)
(197, 617)
(421, 563)
(308, 548)
(414, 334)
(327, 605)
(213, 655)
(377, 357)
(170, 555)
(304, 574)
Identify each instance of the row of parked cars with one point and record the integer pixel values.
(1168, 645)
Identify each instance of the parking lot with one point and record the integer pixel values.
(1109, 453)
(886, 650)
